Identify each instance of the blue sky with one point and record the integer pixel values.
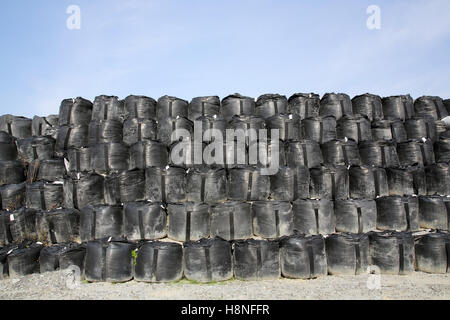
(209, 47)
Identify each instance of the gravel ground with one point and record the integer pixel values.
(53, 286)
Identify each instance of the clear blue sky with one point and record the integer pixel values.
(216, 47)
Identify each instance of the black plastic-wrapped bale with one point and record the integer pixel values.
(336, 105)
(105, 131)
(441, 128)
(101, 221)
(166, 185)
(72, 137)
(356, 128)
(135, 130)
(314, 216)
(418, 128)
(433, 213)
(379, 154)
(347, 253)
(171, 107)
(392, 252)
(341, 152)
(5, 231)
(171, 130)
(290, 183)
(109, 261)
(109, 157)
(237, 104)
(248, 126)
(369, 106)
(45, 126)
(188, 221)
(159, 262)
(186, 154)
(303, 257)
(430, 107)
(329, 182)
(207, 185)
(367, 182)
(355, 216)
(46, 170)
(438, 179)
(447, 206)
(61, 257)
(75, 112)
(212, 127)
(409, 153)
(256, 259)
(89, 189)
(229, 154)
(58, 226)
(139, 107)
(231, 220)
(288, 126)
(108, 108)
(13, 196)
(442, 148)
(419, 180)
(18, 226)
(426, 148)
(272, 219)
(303, 153)
(320, 130)
(8, 149)
(11, 172)
(79, 160)
(208, 260)
(267, 154)
(398, 107)
(304, 105)
(386, 130)
(268, 105)
(400, 182)
(24, 261)
(203, 106)
(132, 185)
(34, 148)
(397, 213)
(18, 127)
(148, 154)
(144, 221)
(432, 252)
(44, 195)
(248, 183)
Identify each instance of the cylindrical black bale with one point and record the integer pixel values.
(340, 152)
(24, 261)
(100, 221)
(171, 107)
(89, 189)
(419, 180)
(144, 221)
(290, 183)
(46, 170)
(212, 127)
(392, 252)
(356, 128)
(433, 213)
(166, 185)
(347, 253)
(159, 262)
(11, 172)
(62, 256)
(72, 137)
(304, 105)
(398, 131)
(148, 154)
(231, 220)
(369, 106)
(432, 253)
(45, 126)
(268, 105)
(303, 257)
(430, 107)
(398, 107)
(362, 182)
(105, 131)
(336, 105)
(256, 259)
(379, 154)
(79, 159)
(108, 108)
(75, 112)
(109, 261)
(355, 216)
(181, 125)
(186, 154)
(320, 130)
(203, 106)
(409, 153)
(127, 186)
(330, 182)
(229, 154)
(381, 184)
(314, 216)
(58, 226)
(18, 127)
(397, 213)
(442, 149)
(418, 128)
(400, 182)
(267, 154)
(8, 149)
(426, 148)
(139, 107)
(44, 195)
(13, 196)
(272, 219)
(208, 260)
(109, 157)
(247, 183)
(438, 179)
(288, 126)
(386, 130)
(19, 226)
(207, 185)
(34, 148)
(237, 104)
(303, 153)
(135, 130)
(188, 221)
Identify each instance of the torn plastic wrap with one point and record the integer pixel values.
(314, 216)
(379, 154)
(12, 196)
(148, 154)
(101, 221)
(105, 131)
(11, 172)
(305, 105)
(320, 130)
(79, 160)
(329, 182)
(41, 148)
(75, 112)
(398, 107)
(188, 221)
(45, 126)
(356, 128)
(272, 219)
(166, 185)
(247, 183)
(303, 153)
(144, 221)
(72, 137)
(58, 226)
(438, 179)
(430, 107)
(50, 170)
(432, 252)
(135, 130)
(171, 107)
(89, 189)
(369, 106)
(231, 220)
(203, 106)
(341, 152)
(109, 157)
(398, 213)
(290, 183)
(8, 149)
(288, 126)
(433, 213)
(336, 105)
(207, 185)
(18, 127)
(24, 261)
(44, 195)
(268, 105)
(355, 216)
(108, 108)
(139, 107)
(237, 104)
(347, 254)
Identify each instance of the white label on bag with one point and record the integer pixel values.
(11, 217)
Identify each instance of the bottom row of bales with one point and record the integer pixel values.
(208, 260)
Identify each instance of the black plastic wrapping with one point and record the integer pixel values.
(355, 216)
(11, 172)
(248, 125)
(135, 130)
(24, 261)
(41, 148)
(144, 221)
(247, 183)
(58, 226)
(347, 254)
(231, 220)
(237, 104)
(186, 154)
(100, 221)
(72, 137)
(61, 257)
(303, 153)
(166, 128)
(288, 126)
(18, 226)
(320, 130)
(44, 195)
(398, 213)
(341, 152)
(212, 127)
(272, 219)
(400, 182)
(229, 154)
(148, 154)
(329, 182)
(442, 149)
(367, 182)
(419, 180)
(430, 107)
(45, 126)
(109, 157)
(314, 216)
(87, 190)
(79, 160)
(264, 154)
(268, 105)
(188, 221)
(418, 128)
(305, 105)
(18, 127)
(127, 186)
(432, 253)
(75, 112)
(398, 107)
(409, 153)
(356, 128)
(386, 130)
(379, 154)
(105, 131)
(256, 259)
(433, 213)
(369, 106)
(438, 179)
(139, 107)
(336, 105)
(290, 183)
(171, 107)
(46, 170)
(166, 185)
(203, 106)
(208, 260)
(207, 185)
(108, 108)
(8, 149)
(12, 196)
